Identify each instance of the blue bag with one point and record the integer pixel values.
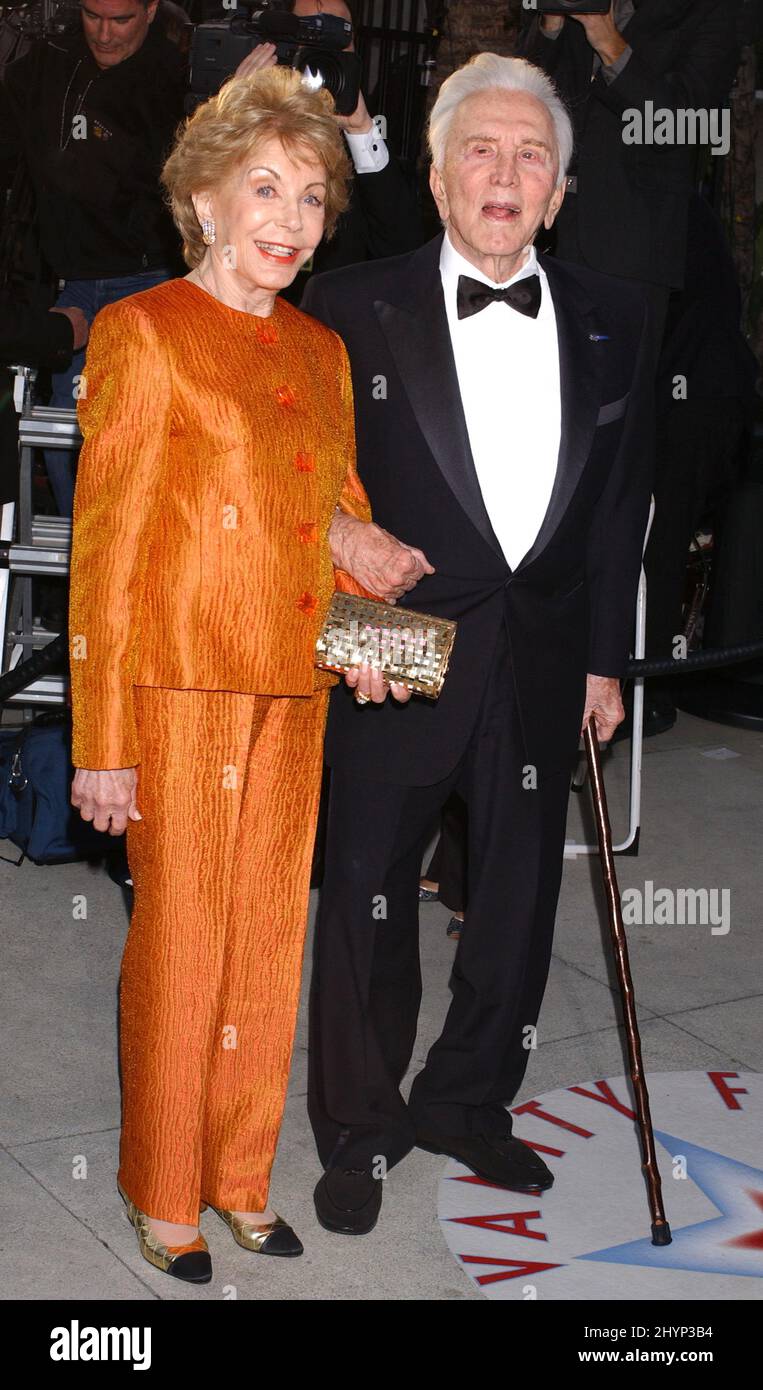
(35, 786)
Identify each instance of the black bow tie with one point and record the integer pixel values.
(474, 295)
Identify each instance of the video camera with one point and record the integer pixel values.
(572, 7)
(313, 42)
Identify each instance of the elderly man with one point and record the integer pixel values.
(498, 396)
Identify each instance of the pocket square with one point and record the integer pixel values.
(613, 410)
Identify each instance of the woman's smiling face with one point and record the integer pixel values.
(269, 215)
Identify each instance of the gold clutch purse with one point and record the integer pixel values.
(411, 648)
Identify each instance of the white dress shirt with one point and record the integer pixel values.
(369, 152)
(508, 375)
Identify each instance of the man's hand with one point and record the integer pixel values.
(603, 701)
(380, 563)
(80, 325)
(551, 23)
(359, 123)
(263, 56)
(603, 34)
(106, 798)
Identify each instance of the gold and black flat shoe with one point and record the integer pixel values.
(272, 1238)
(192, 1262)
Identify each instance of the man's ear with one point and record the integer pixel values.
(438, 192)
(151, 10)
(555, 202)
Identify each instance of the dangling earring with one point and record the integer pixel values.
(208, 231)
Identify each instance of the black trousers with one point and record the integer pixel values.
(447, 867)
(697, 441)
(366, 987)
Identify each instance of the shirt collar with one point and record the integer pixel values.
(453, 264)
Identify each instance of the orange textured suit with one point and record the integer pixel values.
(217, 445)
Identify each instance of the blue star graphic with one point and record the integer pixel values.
(706, 1246)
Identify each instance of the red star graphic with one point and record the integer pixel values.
(753, 1241)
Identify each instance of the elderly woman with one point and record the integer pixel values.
(216, 490)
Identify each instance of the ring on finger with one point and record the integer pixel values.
(361, 698)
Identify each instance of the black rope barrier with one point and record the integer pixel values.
(700, 661)
(54, 652)
(39, 664)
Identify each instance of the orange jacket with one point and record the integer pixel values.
(217, 446)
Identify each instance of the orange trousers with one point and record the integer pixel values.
(228, 790)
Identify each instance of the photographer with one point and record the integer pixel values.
(383, 218)
(626, 208)
(92, 114)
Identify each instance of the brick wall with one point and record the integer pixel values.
(475, 26)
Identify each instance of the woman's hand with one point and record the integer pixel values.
(106, 798)
(369, 681)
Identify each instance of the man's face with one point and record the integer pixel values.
(498, 181)
(115, 29)
(335, 7)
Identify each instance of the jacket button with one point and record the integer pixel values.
(307, 532)
(285, 395)
(307, 603)
(304, 463)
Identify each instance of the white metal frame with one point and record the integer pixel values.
(42, 544)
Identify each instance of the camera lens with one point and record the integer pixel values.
(334, 71)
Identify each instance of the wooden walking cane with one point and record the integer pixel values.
(660, 1228)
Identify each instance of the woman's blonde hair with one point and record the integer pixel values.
(225, 131)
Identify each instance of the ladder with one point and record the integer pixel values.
(32, 544)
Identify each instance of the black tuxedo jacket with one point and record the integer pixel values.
(629, 216)
(569, 605)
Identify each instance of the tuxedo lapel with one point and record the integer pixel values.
(415, 326)
(581, 355)
(416, 329)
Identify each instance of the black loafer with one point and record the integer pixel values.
(348, 1201)
(507, 1162)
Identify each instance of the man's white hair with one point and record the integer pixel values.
(484, 73)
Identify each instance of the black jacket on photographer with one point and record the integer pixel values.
(99, 204)
(628, 216)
